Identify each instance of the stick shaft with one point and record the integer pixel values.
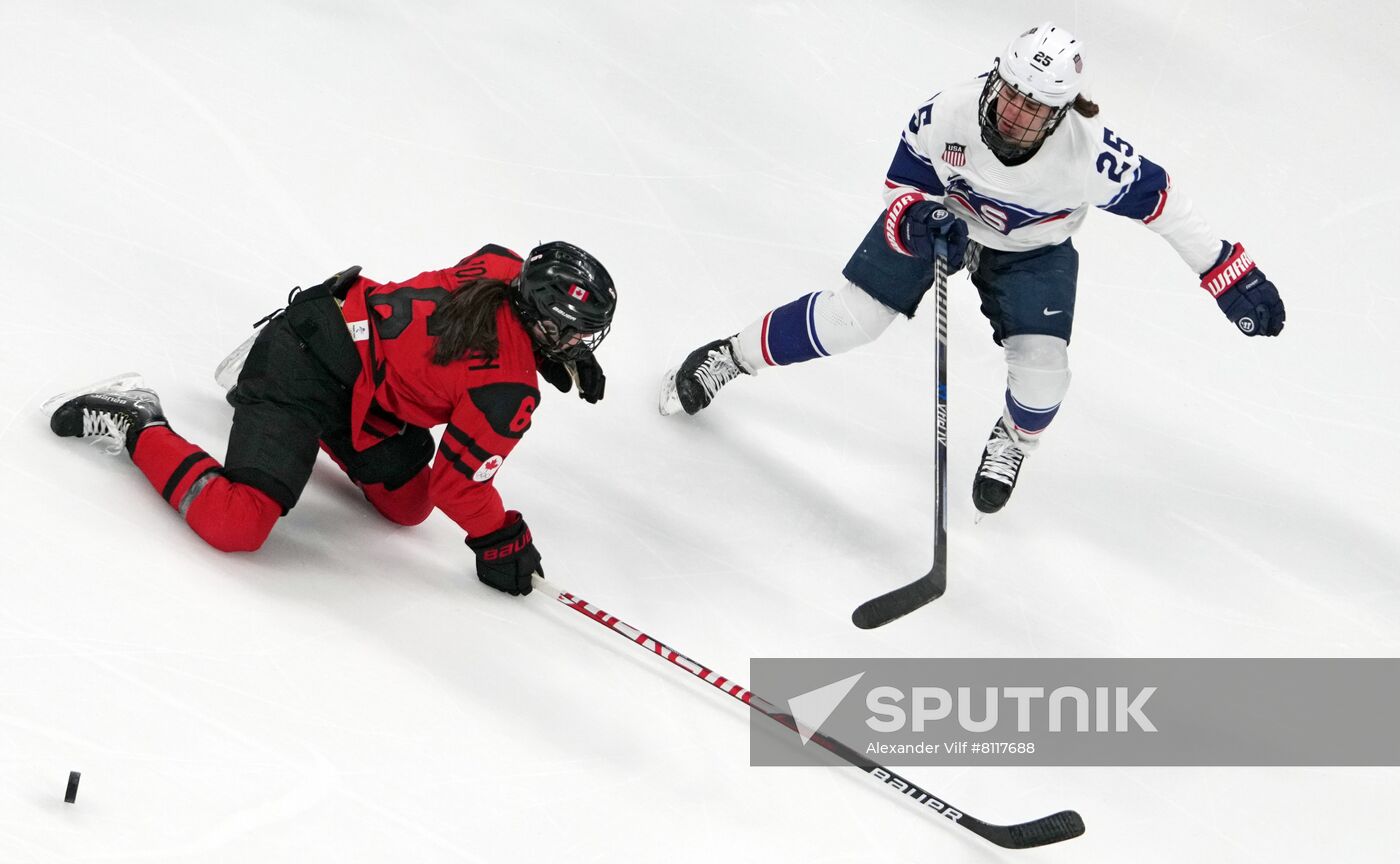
(888, 779)
(901, 601)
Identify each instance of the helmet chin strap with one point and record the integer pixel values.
(1023, 153)
(541, 338)
(573, 374)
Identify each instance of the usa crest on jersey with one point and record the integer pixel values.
(955, 154)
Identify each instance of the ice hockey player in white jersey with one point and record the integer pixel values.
(999, 172)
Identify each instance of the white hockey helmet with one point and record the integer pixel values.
(1045, 68)
(1045, 64)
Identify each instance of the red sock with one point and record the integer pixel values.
(231, 517)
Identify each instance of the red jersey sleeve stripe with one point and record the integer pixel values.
(1161, 203)
(457, 461)
(466, 441)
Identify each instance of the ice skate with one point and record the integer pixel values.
(124, 381)
(109, 413)
(227, 372)
(693, 385)
(1001, 464)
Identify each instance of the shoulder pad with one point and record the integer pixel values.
(488, 262)
(506, 405)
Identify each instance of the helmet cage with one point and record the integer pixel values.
(1032, 122)
(565, 343)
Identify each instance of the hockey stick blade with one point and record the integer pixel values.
(1055, 828)
(901, 601)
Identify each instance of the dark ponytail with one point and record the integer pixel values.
(466, 322)
(1086, 107)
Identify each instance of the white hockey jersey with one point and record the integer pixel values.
(1042, 202)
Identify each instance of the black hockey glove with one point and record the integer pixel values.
(555, 373)
(506, 558)
(591, 379)
(916, 227)
(1244, 293)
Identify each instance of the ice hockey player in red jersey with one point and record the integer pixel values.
(362, 371)
(1000, 171)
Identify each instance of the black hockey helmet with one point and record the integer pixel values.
(566, 299)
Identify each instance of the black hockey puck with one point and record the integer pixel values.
(72, 794)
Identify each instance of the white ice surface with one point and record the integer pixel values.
(351, 693)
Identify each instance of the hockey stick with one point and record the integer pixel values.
(1055, 828)
(929, 587)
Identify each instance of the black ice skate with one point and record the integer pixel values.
(996, 476)
(110, 413)
(693, 385)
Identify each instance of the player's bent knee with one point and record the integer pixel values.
(1037, 369)
(232, 517)
(847, 318)
(406, 505)
(1037, 351)
(872, 316)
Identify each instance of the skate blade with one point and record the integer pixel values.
(670, 401)
(227, 372)
(124, 381)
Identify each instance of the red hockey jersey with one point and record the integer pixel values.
(485, 402)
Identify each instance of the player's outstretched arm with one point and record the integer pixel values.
(1135, 187)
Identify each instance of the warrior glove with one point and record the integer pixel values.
(916, 227)
(1244, 293)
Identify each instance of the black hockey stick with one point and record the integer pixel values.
(1064, 825)
(929, 587)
